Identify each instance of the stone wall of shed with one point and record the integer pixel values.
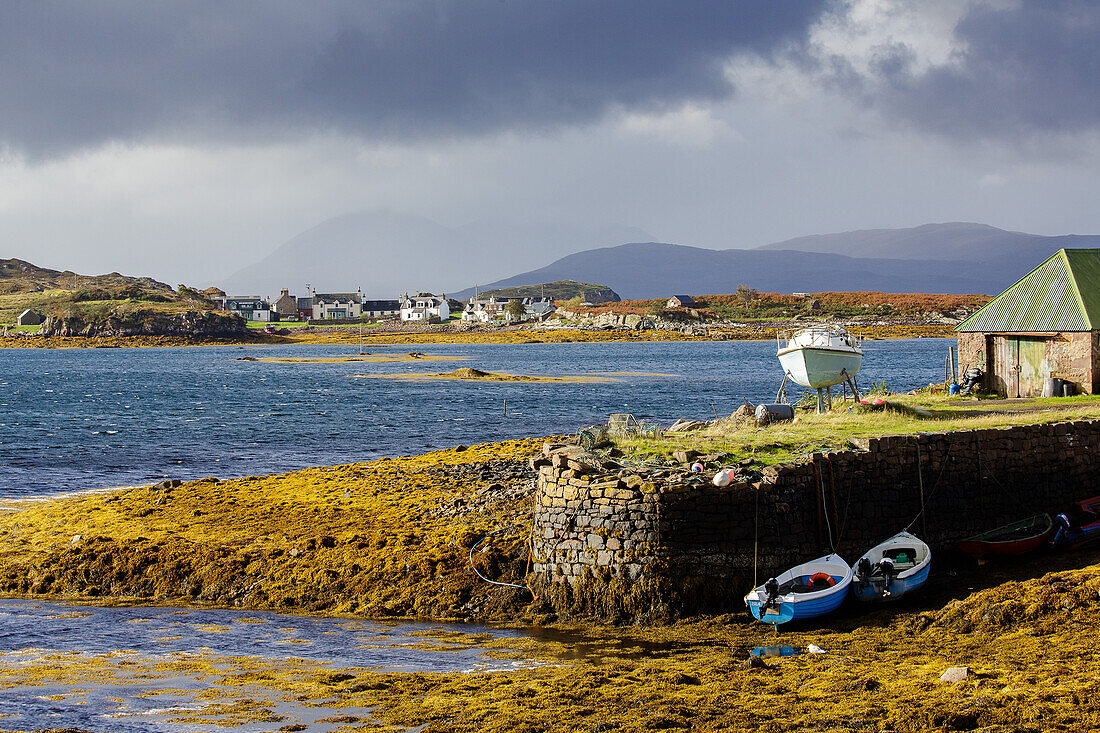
(617, 545)
(1072, 356)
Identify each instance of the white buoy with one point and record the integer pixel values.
(723, 477)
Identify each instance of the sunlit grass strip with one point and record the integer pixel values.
(786, 441)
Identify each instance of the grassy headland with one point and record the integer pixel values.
(749, 305)
(111, 305)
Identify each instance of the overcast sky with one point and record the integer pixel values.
(185, 140)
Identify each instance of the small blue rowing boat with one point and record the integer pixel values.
(892, 568)
(811, 589)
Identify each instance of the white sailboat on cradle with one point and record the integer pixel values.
(819, 357)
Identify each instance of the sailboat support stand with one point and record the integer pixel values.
(781, 395)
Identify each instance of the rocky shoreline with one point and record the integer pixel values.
(201, 331)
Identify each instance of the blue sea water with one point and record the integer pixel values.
(79, 419)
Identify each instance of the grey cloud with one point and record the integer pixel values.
(80, 74)
(1032, 68)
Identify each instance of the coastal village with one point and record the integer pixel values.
(353, 306)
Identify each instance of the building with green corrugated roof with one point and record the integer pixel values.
(1045, 325)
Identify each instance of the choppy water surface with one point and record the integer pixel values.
(77, 419)
(162, 660)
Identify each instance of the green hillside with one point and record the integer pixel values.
(92, 299)
(558, 290)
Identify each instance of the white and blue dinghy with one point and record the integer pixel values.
(891, 569)
(811, 589)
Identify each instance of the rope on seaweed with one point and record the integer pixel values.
(478, 572)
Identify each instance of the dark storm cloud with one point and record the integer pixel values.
(1034, 68)
(79, 74)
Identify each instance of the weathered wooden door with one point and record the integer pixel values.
(1004, 379)
(1019, 365)
(1031, 356)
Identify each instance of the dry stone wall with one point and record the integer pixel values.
(618, 543)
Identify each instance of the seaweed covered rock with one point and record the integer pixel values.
(1045, 603)
(386, 538)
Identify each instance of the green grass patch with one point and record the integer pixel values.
(908, 415)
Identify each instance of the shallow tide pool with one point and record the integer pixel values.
(174, 670)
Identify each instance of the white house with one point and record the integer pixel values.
(487, 310)
(337, 306)
(478, 311)
(248, 307)
(380, 308)
(423, 306)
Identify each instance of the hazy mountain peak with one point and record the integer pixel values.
(388, 252)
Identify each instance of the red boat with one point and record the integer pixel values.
(1017, 538)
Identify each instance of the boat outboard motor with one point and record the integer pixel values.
(864, 570)
(772, 589)
(1064, 528)
(886, 565)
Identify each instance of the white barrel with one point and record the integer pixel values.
(773, 413)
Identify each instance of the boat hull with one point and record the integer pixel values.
(875, 591)
(796, 610)
(1082, 530)
(987, 544)
(910, 576)
(794, 606)
(817, 367)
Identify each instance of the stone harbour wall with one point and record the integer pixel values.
(616, 542)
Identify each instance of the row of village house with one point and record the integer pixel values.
(351, 306)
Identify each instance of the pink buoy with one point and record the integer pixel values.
(697, 468)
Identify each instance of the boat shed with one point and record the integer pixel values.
(1045, 325)
(30, 318)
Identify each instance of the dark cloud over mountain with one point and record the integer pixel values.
(1033, 67)
(80, 74)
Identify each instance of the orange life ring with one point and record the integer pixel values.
(818, 578)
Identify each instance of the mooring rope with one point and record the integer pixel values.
(824, 506)
(478, 572)
(755, 537)
(935, 486)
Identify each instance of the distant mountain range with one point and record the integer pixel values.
(387, 253)
(956, 258)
